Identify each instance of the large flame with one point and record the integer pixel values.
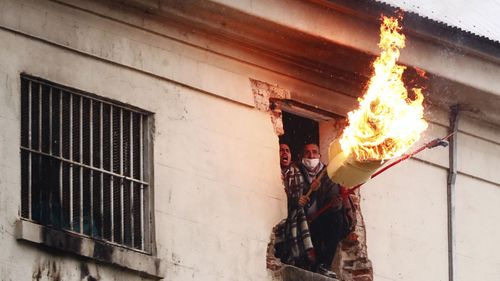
(387, 121)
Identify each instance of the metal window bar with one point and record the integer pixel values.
(111, 185)
(80, 165)
(30, 97)
(131, 173)
(51, 206)
(91, 161)
(50, 121)
(70, 215)
(35, 202)
(80, 173)
(101, 137)
(107, 184)
(59, 143)
(40, 117)
(38, 210)
(141, 177)
(122, 240)
(137, 175)
(101, 175)
(61, 195)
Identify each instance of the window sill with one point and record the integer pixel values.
(143, 264)
(292, 273)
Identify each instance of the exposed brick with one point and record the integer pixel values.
(361, 271)
(263, 93)
(362, 278)
(352, 261)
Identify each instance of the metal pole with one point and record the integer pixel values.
(452, 175)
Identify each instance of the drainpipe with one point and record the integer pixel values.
(452, 175)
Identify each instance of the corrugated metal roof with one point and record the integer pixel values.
(480, 18)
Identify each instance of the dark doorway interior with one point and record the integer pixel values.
(298, 132)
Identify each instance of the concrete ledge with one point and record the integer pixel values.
(292, 273)
(144, 264)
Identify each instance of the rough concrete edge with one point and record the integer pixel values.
(292, 273)
(141, 263)
(351, 260)
(263, 93)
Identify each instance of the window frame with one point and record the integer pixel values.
(146, 138)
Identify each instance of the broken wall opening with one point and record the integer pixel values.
(292, 118)
(299, 131)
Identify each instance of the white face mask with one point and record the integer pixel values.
(310, 163)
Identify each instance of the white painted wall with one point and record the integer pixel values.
(405, 216)
(217, 180)
(405, 209)
(478, 197)
(477, 229)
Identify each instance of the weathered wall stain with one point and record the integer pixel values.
(48, 270)
(51, 270)
(60, 240)
(86, 275)
(102, 251)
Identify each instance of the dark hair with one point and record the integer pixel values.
(307, 143)
(284, 140)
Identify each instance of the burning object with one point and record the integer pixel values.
(346, 170)
(387, 122)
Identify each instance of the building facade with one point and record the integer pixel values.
(140, 139)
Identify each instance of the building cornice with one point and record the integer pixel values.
(329, 45)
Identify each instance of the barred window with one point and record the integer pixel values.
(84, 164)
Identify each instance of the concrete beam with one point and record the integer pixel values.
(362, 34)
(315, 43)
(348, 44)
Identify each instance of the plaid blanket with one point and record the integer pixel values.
(293, 240)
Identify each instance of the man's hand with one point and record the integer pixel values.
(303, 200)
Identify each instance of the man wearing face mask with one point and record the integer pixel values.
(310, 167)
(331, 226)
